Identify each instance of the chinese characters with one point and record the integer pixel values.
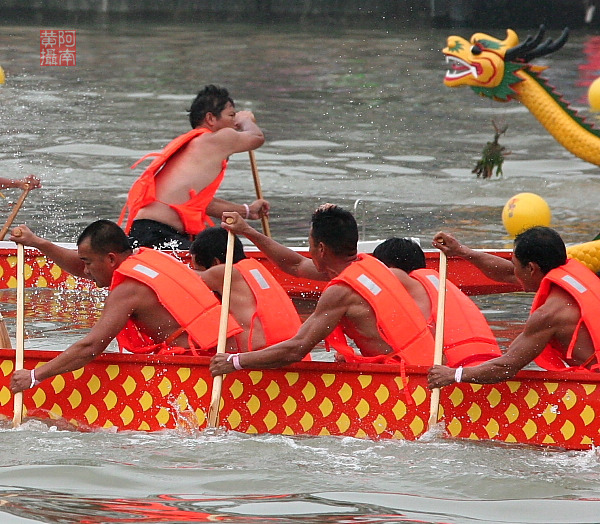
(57, 47)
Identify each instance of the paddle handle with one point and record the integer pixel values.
(439, 337)
(213, 412)
(14, 212)
(20, 349)
(264, 219)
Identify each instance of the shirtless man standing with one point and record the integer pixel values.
(364, 298)
(174, 197)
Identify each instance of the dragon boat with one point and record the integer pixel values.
(128, 392)
(372, 401)
(501, 70)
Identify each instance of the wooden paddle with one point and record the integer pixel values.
(439, 338)
(14, 212)
(213, 412)
(4, 337)
(20, 349)
(264, 219)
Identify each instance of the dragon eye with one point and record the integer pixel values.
(476, 50)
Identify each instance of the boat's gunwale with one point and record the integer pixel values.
(304, 366)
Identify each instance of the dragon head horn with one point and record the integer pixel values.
(531, 48)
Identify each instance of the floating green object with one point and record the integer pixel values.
(492, 156)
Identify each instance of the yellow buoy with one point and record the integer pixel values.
(594, 95)
(523, 211)
(2, 77)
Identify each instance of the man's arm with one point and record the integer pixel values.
(119, 306)
(246, 136)
(283, 257)
(331, 307)
(256, 209)
(496, 268)
(30, 181)
(67, 259)
(539, 329)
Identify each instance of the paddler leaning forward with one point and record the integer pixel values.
(156, 304)
(562, 331)
(364, 297)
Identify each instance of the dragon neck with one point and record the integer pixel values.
(563, 123)
(546, 104)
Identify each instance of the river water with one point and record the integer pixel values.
(349, 113)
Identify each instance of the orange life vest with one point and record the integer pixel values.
(468, 339)
(143, 191)
(184, 295)
(584, 286)
(399, 320)
(274, 308)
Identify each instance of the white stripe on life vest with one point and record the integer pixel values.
(369, 284)
(435, 281)
(146, 271)
(574, 283)
(260, 279)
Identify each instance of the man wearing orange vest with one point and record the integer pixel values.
(562, 331)
(156, 303)
(363, 297)
(258, 302)
(172, 200)
(468, 339)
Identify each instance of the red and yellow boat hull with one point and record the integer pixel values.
(148, 393)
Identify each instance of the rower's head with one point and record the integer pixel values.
(102, 246)
(333, 235)
(401, 253)
(212, 108)
(537, 251)
(210, 248)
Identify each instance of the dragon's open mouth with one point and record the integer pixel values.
(459, 68)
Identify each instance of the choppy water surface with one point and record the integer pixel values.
(348, 114)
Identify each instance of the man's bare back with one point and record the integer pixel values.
(242, 305)
(561, 312)
(152, 317)
(359, 321)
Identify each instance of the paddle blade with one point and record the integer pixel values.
(18, 409)
(215, 402)
(4, 338)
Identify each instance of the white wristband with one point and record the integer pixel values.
(247, 208)
(458, 374)
(34, 381)
(235, 358)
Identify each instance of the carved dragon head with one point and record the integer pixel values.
(490, 66)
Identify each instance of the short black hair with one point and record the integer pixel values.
(336, 228)
(542, 245)
(105, 237)
(212, 99)
(402, 253)
(212, 243)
